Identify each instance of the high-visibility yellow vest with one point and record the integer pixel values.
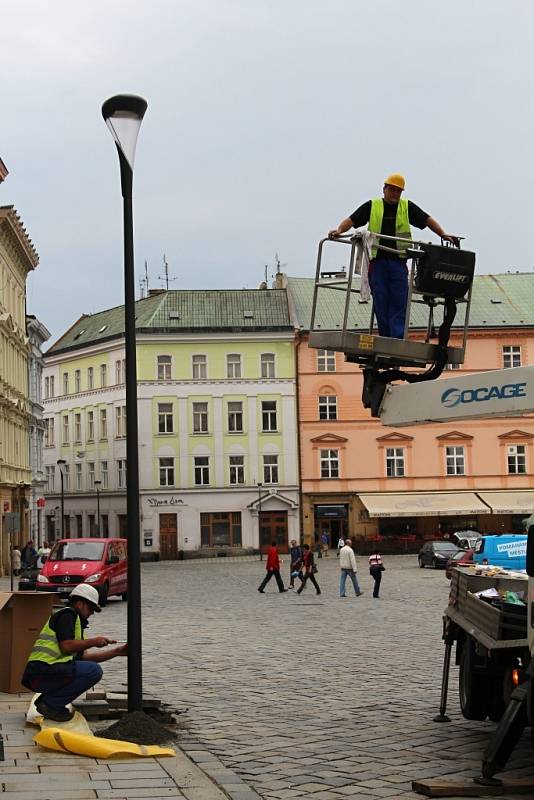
(46, 647)
(402, 225)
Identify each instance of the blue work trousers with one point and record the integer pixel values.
(388, 279)
(58, 691)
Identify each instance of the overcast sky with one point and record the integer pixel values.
(268, 121)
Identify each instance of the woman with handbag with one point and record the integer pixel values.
(376, 568)
(309, 569)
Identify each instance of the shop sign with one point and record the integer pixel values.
(331, 512)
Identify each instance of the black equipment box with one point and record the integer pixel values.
(444, 271)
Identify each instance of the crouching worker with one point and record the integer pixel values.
(62, 665)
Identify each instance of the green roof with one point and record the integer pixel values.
(498, 301)
(185, 311)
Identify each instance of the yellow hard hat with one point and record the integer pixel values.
(395, 180)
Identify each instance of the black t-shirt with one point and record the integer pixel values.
(416, 216)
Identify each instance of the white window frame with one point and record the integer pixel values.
(65, 383)
(104, 474)
(77, 428)
(50, 478)
(201, 466)
(236, 469)
(395, 462)
(329, 463)
(233, 366)
(52, 389)
(511, 356)
(78, 476)
(120, 422)
(90, 426)
(166, 471)
(326, 361)
(200, 417)
(165, 418)
(66, 477)
(270, 469)
(103, 422)
(164, 367)
(46, 388)
(91, 473)
(269, 416)
(103, 375)
(455, 460)
(516, 459)
(327, 407)
(235, 416)
(121, 473)
(268, 365)
(199, 367)
(65, 429)
(77, 381)
(90, 378)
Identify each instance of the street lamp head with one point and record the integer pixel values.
(123, 115)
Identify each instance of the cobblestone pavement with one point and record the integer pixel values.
(304, 696)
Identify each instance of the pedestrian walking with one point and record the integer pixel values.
(273, 568)
(42, 554)
(61, 665)
(340, 544)
(325, 543)
(309, 570)
(15, 560)
(347, 565)
(376, 568)
(295, 563)
(28, 553)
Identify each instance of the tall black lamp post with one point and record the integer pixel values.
(61, 463)
(98, 484)
(123, 115)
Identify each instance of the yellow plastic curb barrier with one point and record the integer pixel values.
(94, 746)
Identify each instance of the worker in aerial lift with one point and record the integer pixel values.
(390, 215)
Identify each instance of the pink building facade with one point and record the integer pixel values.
(403, 486)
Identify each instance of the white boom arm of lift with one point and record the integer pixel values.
(499, 393)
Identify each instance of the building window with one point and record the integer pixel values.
(90, 426)
(79, 476)
(120, 422)
(77, 380)
(267, 365)
(65, 383)
(65, 439)
(104, 475)
(202, 470)
(235, 417)
(164, 368)
(455, 460)
(200, 368)
(326, 361)
(49, 432)
(268, 415)
(329, 460)
(52, 390)
(77, 428)
(91, 474)
(104, 521)
(165, 419)
(395, 462)
(511, 356)
(328, 406)
(93, 530)
(103, 423)
(90, 378)
(270, 469)
(219, 530)
(237, 469)
(166, 472)
(50, 478)
(200, 417)
(120, 371)
(103, 375)
(46, 388)
(517, 459)
(233, 365)
(121, 473)
(66, 477)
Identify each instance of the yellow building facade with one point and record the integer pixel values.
(17, 259)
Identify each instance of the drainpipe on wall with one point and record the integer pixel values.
(299, 339)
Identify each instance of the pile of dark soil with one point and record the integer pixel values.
(139, 728)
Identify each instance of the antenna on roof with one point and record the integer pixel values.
(278, 264)
(165, 277)
(143, 282)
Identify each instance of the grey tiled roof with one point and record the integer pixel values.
(185, 311)
(498, 301)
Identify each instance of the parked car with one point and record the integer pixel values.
(463, 558)
(28, 574)
(465, 539)
(436, 554)
(99, 562)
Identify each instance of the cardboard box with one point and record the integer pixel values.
(22, 615)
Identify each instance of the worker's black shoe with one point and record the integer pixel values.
(56, 714)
